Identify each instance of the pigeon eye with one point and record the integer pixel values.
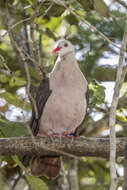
(65, 45)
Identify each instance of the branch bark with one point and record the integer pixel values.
(94, 147)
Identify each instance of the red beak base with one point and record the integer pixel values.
(56, 49)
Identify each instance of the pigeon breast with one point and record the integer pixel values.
(65, 109)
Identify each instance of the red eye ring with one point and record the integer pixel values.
(66, 44)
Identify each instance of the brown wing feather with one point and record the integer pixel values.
(46, 166)
(42, 96)
(43, 166)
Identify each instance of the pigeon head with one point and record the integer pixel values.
(63, 47)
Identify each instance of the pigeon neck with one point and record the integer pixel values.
(66, 56)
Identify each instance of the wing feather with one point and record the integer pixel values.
(42, 96)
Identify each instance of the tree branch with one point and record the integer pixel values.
(125, 169)
(93, 28)
(94, 147)
(73, 174)
(112, 116)
(122, 3)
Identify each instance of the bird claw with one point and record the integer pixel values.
(50, 135)
(67, 134)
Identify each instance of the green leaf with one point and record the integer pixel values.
(71, 19)
(32, 2)
(33, 73)
(18, 81)
(54, 23)
(121, 118)
(87, 5)
(12, 129)
(101, 7)
(3, 4)
(55, 9)
(3, 78)
(35, 182)
(15, 100)
(123, 89)
(9, 160)
(98, 93)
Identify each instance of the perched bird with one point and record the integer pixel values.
(62, 103)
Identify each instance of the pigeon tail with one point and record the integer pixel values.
(46, 166)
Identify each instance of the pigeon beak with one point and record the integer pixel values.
(56, 49)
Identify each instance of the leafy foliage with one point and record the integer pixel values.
(12, 129)
(36, 183)
(48, 22)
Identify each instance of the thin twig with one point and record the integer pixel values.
(27, 75)
(125, 168)
(8, 70)
(6, 66)
(16, 24)
(119, 18)
(36, 42)
(73, 174)
(28, 87)
(32, 27)
(123, 75)
(23, 57)
(27, 126)
(59, 2)
(26, 34)
(16, 181)
(122, 3)
(13, 26)
(45, 12)
(62, 3)
(112, 116)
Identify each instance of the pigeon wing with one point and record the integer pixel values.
(42, 96)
